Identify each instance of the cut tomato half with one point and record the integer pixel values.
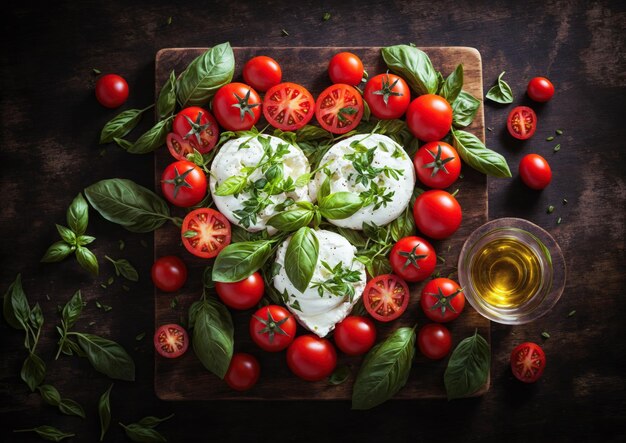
(205, 232)
(386, 297)
(522, 122)
(528, 362)
(179, 147)
(288, 106)
(339, 108)
(171, 341)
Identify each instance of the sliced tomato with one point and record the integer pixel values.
(205, 232)
(339, 108)
(288, 106)
(171, 341)
(522, 122)
(528, 362)
(179, 147)
(386, 297)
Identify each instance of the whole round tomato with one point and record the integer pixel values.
(339, 108)
(413, 259)
(311, 358)
(429, 117)
(347, 68)
(528, 362)
(288, 106)
(434, 341)
(111, 90)
(171, 341)
(355, 335)
(272, 328)
(437, 165)
(540, 89)
(387, 95)
(437, 214)
(237, 107)
(535, 171)
(262, 73)
(205, 232)
(386, 297)
(198, 127)
(169, 273)
(522, 122)
(243, 294)
(442, 300)
(183, 184)
(243, 372)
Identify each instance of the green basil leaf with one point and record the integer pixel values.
(57, 252)
(104, 411)
(403, 226)
(464, 109)
(124, 268)
(324, 190)
(152, 422)
(33, 371)
(213, 335)
(85, 240)
(341, 374)
(378, 266)
(501, 92)
(205, 75)
(36, 316)
(124, 144)
(354, 237)
(374, 232)
(49, 394)
(475, 154)
(120, 125)
(72, 309)
(301, 258)
(142, 434)
(451, 88)
(292, 220)
(304, 179)
(78, 215)
(66, 234)
(49, 433)
(70, 407)
(340, 205)
(107, 357)
(166, 103)
(414, 66)
(367, 112)
(15, 305)
(232, 185)
(389, 127)
(87, 260)
(288, 136)
(309, 133)
(385, 369)
(240, 260)
(468, 367)
(152, 139)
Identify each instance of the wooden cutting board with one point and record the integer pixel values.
(185, 378)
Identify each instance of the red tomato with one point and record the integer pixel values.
(540, 89)
(413, 259)
(347, 68)
(437, 214)
(183, 184)
(262, 73)
(169, 273)
(243, 372)
(198, 127)
(387, 95)
(288, 106)
(434, 341)
(535, 171)
(355, 335)
(205, 232)
(442, 300)
(243, 294)
(237, 107)
(311, 358)
(429, 117)
(522, 122)
(179, 147)
(339, 108)
(386, 297)
(528, 362)
(171, 341)
(437, 165)
(111, 90)
(272, 328)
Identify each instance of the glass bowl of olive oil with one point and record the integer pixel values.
(511, 271)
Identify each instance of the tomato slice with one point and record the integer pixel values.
(522, 122)
(179, 147)
(171, 341)
(386, 297)
(288, 106)
(528, 362)
(205, 232)
(339, 108)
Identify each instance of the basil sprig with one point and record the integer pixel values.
(51, 395)
(301, 258)
(240, 260)
(451, 87)
(104, 411)
(414, 66)
(120, 125)
(464, 109)
(475, 154)
(501, 91)
(49, 433)
(468, 367)
(143, 430)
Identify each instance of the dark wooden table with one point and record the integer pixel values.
(50, 125)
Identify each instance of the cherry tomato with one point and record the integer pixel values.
(413, 259)
(429, 117)
(171, 341)
(387, 95)
(437, 165)
(243, 372)
(540, 89)
(386, 297)
(442, 300)
(288, 106)
(179, 147)
(434, 341)
(355, 335)
(339, 108)
(198, 127)
(183, 184)
(111, 90)
(262, 73)
(437, 214)
(169, 273)
(205, 232)
(237, 107)
(243, 294)
(535, 171)
(522, 122)
(347, 68)
(272, 328)
(311, 358)
(528, 362)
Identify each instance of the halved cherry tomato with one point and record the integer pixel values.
(178, 146)
(171, 341)
(262, 73)
(355, 335)
(386, 297)
(434, 341)
(169, 273)
(345, 67)
(522, 122)
(311, 358)
(442, 300)
(111, 90)
(288, 106)
(183, 184)
(205, 232)
(243, 372)
(437, 214)
(437, 165)
(413, 258)
(197, 127)
(237, 107)
(540, 89)
(242, 294)
(339, 108)
(528, 362)
(429, 117)
(387, 95)
(535, 171)
(272, 328)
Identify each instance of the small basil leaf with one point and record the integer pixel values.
(107, 357)
(104, 411)
(451, 88)
(124, 144)
(213, 335)
(72, 309)
(70, 407)
(464, 109)
(49, 433)
(292, 220)
(341, 374)
(141, 434)
(120, 125)
(324, 190)
(288, 136)
(240, 260)
(166, 103)
(15, 305)
(414, 66)
(475, 154)
(33, 371)
(310, 133)
(124, 268)
(85, 240)
(232, 185)
(49, 394)
(301, 258)
(501, 92)
(153, 138)
(389, 127)
(78, 215)
(87, 260)
(36, 316)
(152, 422)
(57, 252)
(367, 113)
(66, 234)
(340, 205)
(468, 367)
(304, 179)
(378, 266)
